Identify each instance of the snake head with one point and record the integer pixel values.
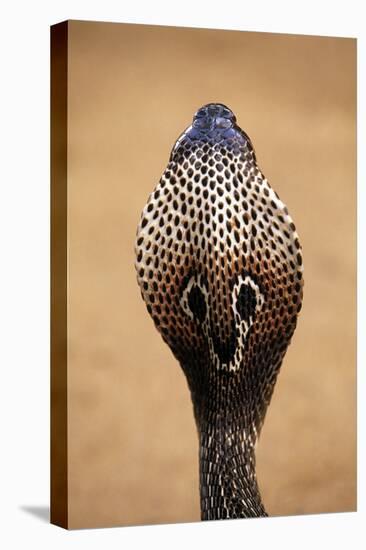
(219, 266)
(214, 116)
(214, 123)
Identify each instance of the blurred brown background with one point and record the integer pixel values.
(133, 450)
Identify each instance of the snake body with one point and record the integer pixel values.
(219, 266)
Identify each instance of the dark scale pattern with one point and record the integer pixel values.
(219, 266)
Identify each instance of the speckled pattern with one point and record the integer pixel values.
(219, 266)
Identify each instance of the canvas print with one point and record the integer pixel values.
(203, 277)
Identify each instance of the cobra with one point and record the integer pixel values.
(219, 265)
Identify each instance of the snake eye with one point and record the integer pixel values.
(197, 303)
(246, 303)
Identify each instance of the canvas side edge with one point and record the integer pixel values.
(59, 432)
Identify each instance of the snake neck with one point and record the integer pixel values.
(228, 482)
(229, 414)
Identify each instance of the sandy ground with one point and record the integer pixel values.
(132, 91)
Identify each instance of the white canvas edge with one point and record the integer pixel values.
(25, 273)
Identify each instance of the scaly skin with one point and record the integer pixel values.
(219, 266)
